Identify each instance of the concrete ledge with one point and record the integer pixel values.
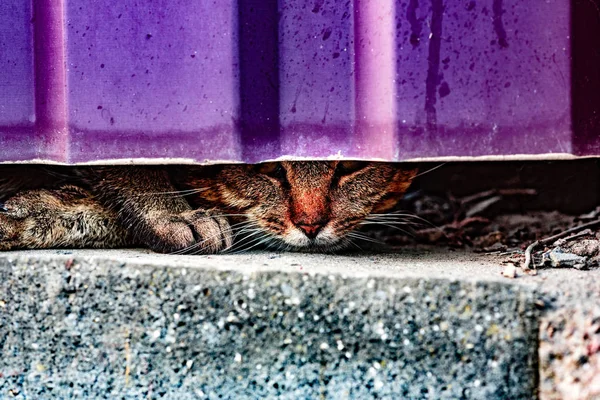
(129, 324)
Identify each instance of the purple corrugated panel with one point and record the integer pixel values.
(259, 79)
(316, 72)
(33, 121)
(585, 92)
(50, 86)
(375, 77)
(152, 79)
(17, 109)
(483, 77)
(251, 80)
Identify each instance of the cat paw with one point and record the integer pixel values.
(192, 232)
(68, 217)
(211, 232)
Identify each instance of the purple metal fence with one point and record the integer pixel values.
(241, 80)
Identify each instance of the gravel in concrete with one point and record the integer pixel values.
(128, 324)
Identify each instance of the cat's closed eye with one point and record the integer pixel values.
(273, 170)
(349, 167)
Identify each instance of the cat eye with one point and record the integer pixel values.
(349, 167)
(274, 170)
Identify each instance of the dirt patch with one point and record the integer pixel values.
(527, 239)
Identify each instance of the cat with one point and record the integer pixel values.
(291, 205)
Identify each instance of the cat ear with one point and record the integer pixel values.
(398, 185)
(402, 179)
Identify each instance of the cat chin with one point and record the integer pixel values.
(295, 238)
(325, 241)
(322, 248)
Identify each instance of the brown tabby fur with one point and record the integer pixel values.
(309, 205)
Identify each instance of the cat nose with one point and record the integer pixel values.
(311, 230)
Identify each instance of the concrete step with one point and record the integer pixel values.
(131, 324)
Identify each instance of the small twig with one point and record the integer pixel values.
(569, 231)
(589, 216)
(510, 252)
(552, 239)
(482, 206)
(528, 256)
(467, 221)
(562, 241)
(477, 196)
(497, 192)
(483, 200)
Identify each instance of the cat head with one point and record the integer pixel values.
(308, 205)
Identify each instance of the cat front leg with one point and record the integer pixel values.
(150, 208)
(63, 218)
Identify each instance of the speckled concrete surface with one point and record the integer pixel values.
(128, 324)
(570, 337)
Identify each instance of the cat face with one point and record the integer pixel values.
(308, 205)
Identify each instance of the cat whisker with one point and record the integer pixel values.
(238, 247)
(249, 227)
(254, 243)
(359, 236)
(399, 213)
(199, 244)
(390, 221)
(282, 246)
(196, 245)
(398, 221)
(403, 217)
(188, 249)
(267, 240)
(395, 215)
(390, 226)
(185, 250)
(230, 215)
(242, 224)
(249, 233)
(350, 241)
(176, 193)
(430, 170)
